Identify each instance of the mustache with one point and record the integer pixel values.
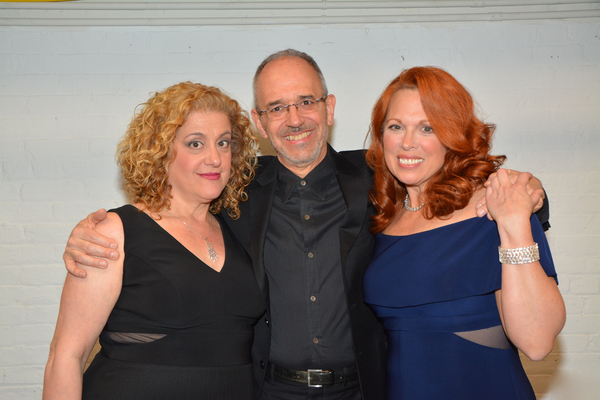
(297, 129)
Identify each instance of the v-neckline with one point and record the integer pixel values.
(186, 249)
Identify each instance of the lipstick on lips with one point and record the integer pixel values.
(211, 176)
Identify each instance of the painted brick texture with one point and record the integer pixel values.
(67, 94)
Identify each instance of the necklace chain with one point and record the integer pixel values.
(413, 209)
(212, 254)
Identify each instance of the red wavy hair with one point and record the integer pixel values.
(450, 110)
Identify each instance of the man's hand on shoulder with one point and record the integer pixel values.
(85, 245)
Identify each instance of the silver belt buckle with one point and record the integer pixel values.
(308, 377)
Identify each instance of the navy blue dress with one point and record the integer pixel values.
(434, 293)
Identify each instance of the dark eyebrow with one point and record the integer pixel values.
(300, 98)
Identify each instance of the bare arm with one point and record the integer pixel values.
(530, 305)
(533, 185)
(85, 244)
(84, 309)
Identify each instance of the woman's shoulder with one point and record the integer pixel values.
(470, 210)
(111, 226)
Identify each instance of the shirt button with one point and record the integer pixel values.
(315, 340)
(312, 298)
(307, 217)
(303, 182)
(310, 255)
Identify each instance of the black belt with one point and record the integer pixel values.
(316, 377)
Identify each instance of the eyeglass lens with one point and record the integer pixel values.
(303, 107)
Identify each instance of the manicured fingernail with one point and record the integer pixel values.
(113, 254)
(113, 245)
(103, 263)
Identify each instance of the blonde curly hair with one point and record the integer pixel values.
(146, 150)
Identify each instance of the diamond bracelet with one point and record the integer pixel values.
(521, 255)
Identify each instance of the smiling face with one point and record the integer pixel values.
(300, 140)
(412, 151)
(202, 163)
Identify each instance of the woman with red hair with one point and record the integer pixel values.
(457, 294)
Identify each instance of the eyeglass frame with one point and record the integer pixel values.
(287, 107)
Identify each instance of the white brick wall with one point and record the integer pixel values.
(66, 96)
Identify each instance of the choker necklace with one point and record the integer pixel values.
(413, 209)
(212, 254)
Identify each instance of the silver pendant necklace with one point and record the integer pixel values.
(212, 254)
(413, 209)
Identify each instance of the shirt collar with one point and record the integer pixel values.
(317, 180)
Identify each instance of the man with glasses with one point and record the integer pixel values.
(306, 227)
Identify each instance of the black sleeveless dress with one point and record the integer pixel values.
(179, 330)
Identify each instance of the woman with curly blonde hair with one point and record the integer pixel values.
(457, 294)
(175, 312)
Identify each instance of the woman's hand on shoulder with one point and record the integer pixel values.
(511, 201)
(534, 189)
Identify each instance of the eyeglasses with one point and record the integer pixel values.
(306, 106)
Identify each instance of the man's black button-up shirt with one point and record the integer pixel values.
(309, 317)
